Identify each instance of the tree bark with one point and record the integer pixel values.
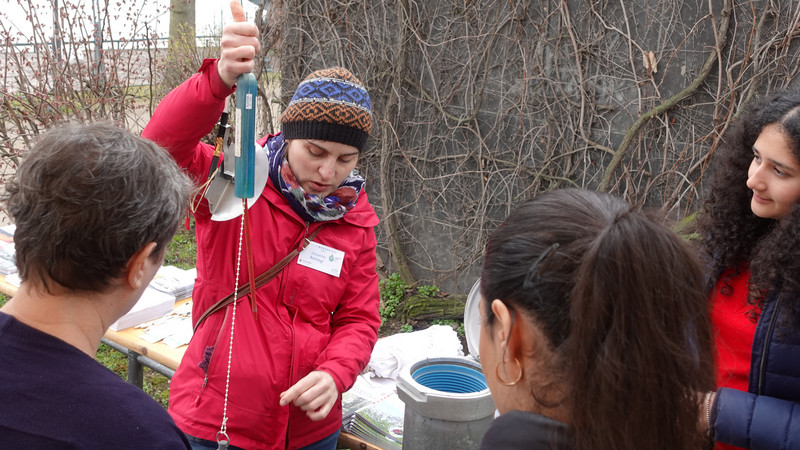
(182, 25)
(422, 307)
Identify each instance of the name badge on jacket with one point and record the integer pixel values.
(323, 258)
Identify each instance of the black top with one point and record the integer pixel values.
(526, 430)
(54, 396)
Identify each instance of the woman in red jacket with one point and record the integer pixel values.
(278, 384)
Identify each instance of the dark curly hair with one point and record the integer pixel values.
(733, 235)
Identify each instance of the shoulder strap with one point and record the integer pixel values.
(260, 281)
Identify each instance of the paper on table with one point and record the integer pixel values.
(152, 305)
(372, 411)
(7, 233)
(174, 281)
(13, 279)
(174, 329)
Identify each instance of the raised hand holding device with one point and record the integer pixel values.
(244, 188)
(244, 149)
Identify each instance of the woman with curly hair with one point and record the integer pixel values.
(751, 228)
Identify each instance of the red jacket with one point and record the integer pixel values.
(307, 320)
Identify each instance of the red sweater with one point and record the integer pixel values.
(733, 332)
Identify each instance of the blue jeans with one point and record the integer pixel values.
(205, 444)
(328, 443)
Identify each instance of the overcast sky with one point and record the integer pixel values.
(211, 14)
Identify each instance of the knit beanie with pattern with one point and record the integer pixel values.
(329, 105)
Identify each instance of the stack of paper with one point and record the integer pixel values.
(152, 305)
(7, 233)
(174, 329)
(174, 281)
(380, 424)
(373, 412)
(13, 279)
(7, 250)
(7, 255)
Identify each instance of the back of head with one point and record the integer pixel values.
(621, 302)
(85, 199)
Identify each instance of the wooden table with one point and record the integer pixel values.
(157, 356)
(159, 352)
(6, 288)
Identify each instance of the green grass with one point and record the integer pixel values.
(154, 384)
(182, 251)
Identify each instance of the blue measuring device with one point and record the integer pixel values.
(245, 146)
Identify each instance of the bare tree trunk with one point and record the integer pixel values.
(182, 25)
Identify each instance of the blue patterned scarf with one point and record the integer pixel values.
(312, 208)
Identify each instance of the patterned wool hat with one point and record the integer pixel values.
(330, 105)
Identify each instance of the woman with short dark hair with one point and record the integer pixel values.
(94, 208)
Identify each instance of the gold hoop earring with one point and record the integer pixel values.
(509, 383)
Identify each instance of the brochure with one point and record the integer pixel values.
(174, 281)
(372, 411)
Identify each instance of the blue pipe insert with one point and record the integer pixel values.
(452, 378)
